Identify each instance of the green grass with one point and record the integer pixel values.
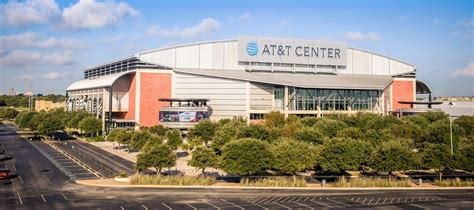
(170, 180)
(273, 182)
(454, 183)
(372, 182)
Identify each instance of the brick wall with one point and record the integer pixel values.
(152, 87)
(402, 90)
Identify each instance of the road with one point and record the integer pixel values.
(40, 184)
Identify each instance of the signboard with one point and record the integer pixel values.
(187, 116)
(271, 50)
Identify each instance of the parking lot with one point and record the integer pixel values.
(67, 164)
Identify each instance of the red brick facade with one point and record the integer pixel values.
(152, 87)
(402, 90)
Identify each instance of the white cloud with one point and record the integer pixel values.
(34, 40)
(28, 58)
(466, 23)
(205, 27)
(358, 36)
(25, 77)
(285, 22)
(435, 22)
(244, 17)
(90, 14)
(30, 12)
(466, 71)
(53, 75)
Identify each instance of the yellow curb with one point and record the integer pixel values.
(82, 182)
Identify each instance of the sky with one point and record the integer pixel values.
(45, 45)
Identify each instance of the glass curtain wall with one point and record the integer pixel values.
(328, 99)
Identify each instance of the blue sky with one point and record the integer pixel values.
(47, 43)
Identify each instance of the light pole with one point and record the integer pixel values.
(451, 126)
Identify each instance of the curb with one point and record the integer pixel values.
(272, 188)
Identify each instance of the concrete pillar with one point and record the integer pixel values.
(285, 101)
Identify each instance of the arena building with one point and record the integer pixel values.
(248, 77)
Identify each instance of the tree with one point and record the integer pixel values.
(436, 156)
(339, 155)
(152, 142)
(90, 125)
(291, 156)
(350, 132)
(274, 119)
(310, 135)
(158, 157)
(8, 113)
(174, 138)
(202, 158)
(50, 123)
(246, 157)
(466, 123)
(24, 119)
(393, 156)
(139, 138)
(226, 132)
(260, 132)
(330, 127)
(158, 130)
(75, 117)
(204, 131)
(121, 136)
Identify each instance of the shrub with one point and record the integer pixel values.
(274, 119)
(310, 135)
(171, 180)
(372, 182)
(393, 156)
(273, 182)
(454, 183)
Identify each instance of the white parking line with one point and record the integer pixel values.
(339, 202)
(14, 167)
(191, 206)
(303, 205)
(64, 196)
(19, 198)
(282, 205)
(121, 207)
(166, 206)
(263, 207)
(21, 179)
(232, 204)
(212, 205)
(323, 204)
(146, 208)
(418, 206)
(43, 198)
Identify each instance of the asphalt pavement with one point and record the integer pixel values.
(41, 184)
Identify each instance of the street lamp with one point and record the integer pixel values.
(451, 103)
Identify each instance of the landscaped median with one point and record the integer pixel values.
(152, 181)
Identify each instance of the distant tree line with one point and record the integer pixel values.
(22, 100)
(58, 120)
(334, 143)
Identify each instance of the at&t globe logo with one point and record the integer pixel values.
(252, 48)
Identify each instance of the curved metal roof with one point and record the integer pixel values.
(302, 80)
(422, 88)
(101, 82)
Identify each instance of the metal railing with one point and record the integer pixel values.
(87, 159)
